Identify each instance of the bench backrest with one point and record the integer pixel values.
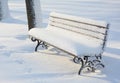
(88, 27)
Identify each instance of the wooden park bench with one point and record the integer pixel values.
(80, 37)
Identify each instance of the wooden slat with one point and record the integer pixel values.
(78, 25)
(80, 20)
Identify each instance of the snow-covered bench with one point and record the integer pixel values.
(80, 37)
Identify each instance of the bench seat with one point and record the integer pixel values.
(71, 42)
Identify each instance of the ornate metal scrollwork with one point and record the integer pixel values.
(90, 62)
(39, 43)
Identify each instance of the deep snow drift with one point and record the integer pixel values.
(20, 64)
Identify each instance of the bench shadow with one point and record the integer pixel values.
(13, 21)
(2, 47)
(21, 37)
(54, 51)
(113, 35)
(113, 50)
(44, 75)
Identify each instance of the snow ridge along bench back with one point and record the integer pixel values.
(80, 37)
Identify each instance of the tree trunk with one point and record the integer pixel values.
(0, 11)
(33, 13)
(4, 10)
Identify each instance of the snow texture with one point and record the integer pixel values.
(20, 64)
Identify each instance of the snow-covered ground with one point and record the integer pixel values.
(20, 64)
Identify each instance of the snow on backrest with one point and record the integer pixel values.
(88, 27)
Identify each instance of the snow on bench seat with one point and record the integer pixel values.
(71, 42)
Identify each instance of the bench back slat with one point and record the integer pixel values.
(79, 19)
(88, 27)
(77, 25)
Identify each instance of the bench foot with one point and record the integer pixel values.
(39, 43)
(91, 63)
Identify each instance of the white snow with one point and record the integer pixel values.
(71, 42)
(20, 64)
